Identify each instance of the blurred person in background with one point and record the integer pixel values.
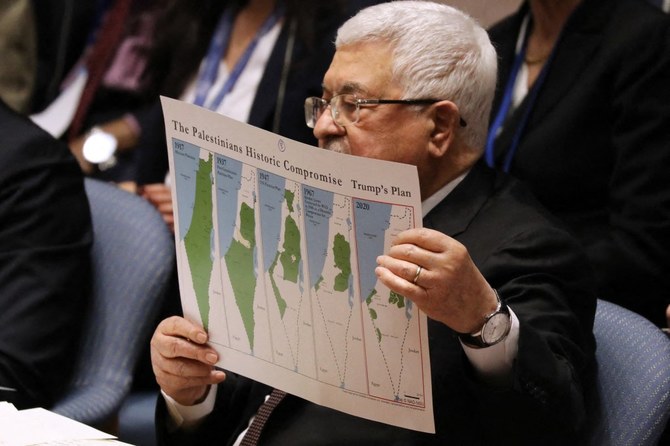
(253, 60)
(18, 53)
(582, 115)
(102, 49)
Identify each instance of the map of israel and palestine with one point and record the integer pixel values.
(276, 248)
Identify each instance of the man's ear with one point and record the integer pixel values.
(446, 122)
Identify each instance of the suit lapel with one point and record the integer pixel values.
(581, 39)
(453, 214)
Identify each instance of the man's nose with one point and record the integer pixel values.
(325, 126)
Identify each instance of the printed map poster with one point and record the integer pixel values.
(276, 248)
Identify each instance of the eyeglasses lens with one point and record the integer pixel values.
(344, 109)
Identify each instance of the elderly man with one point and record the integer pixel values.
(508, 294)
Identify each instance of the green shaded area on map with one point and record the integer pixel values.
(372, 294)
(198, 239)
(397, 299)
(373, 313)
(317, 285)
(289, 197)
(240, 264)
(342, 252)
(290, 255)
(281, 303)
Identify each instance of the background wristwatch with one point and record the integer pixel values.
(495, 329)
(99, 148)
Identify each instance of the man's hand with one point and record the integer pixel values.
(77, 149)
(448, 288)
(160, 196)
(182, 361)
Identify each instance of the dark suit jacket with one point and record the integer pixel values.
(63, 27)
(539, 271)
(596, 148)
(45, 237)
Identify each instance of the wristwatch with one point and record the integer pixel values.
(99, 148)
(495, 329)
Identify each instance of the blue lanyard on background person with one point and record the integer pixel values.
(506, 103)
(217, 48)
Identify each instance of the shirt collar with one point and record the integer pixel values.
(429, 203)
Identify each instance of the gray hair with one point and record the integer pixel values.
(438, 52)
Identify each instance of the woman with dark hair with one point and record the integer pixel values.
(187, 28)
(255, 61)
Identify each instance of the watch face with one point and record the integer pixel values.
(495, 328)
(99, 147)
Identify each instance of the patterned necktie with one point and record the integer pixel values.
(254, 431)
(107, 40)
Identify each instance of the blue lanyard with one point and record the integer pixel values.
(218, 46)
(507, 102)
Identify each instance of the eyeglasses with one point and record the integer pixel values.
(346, 108)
